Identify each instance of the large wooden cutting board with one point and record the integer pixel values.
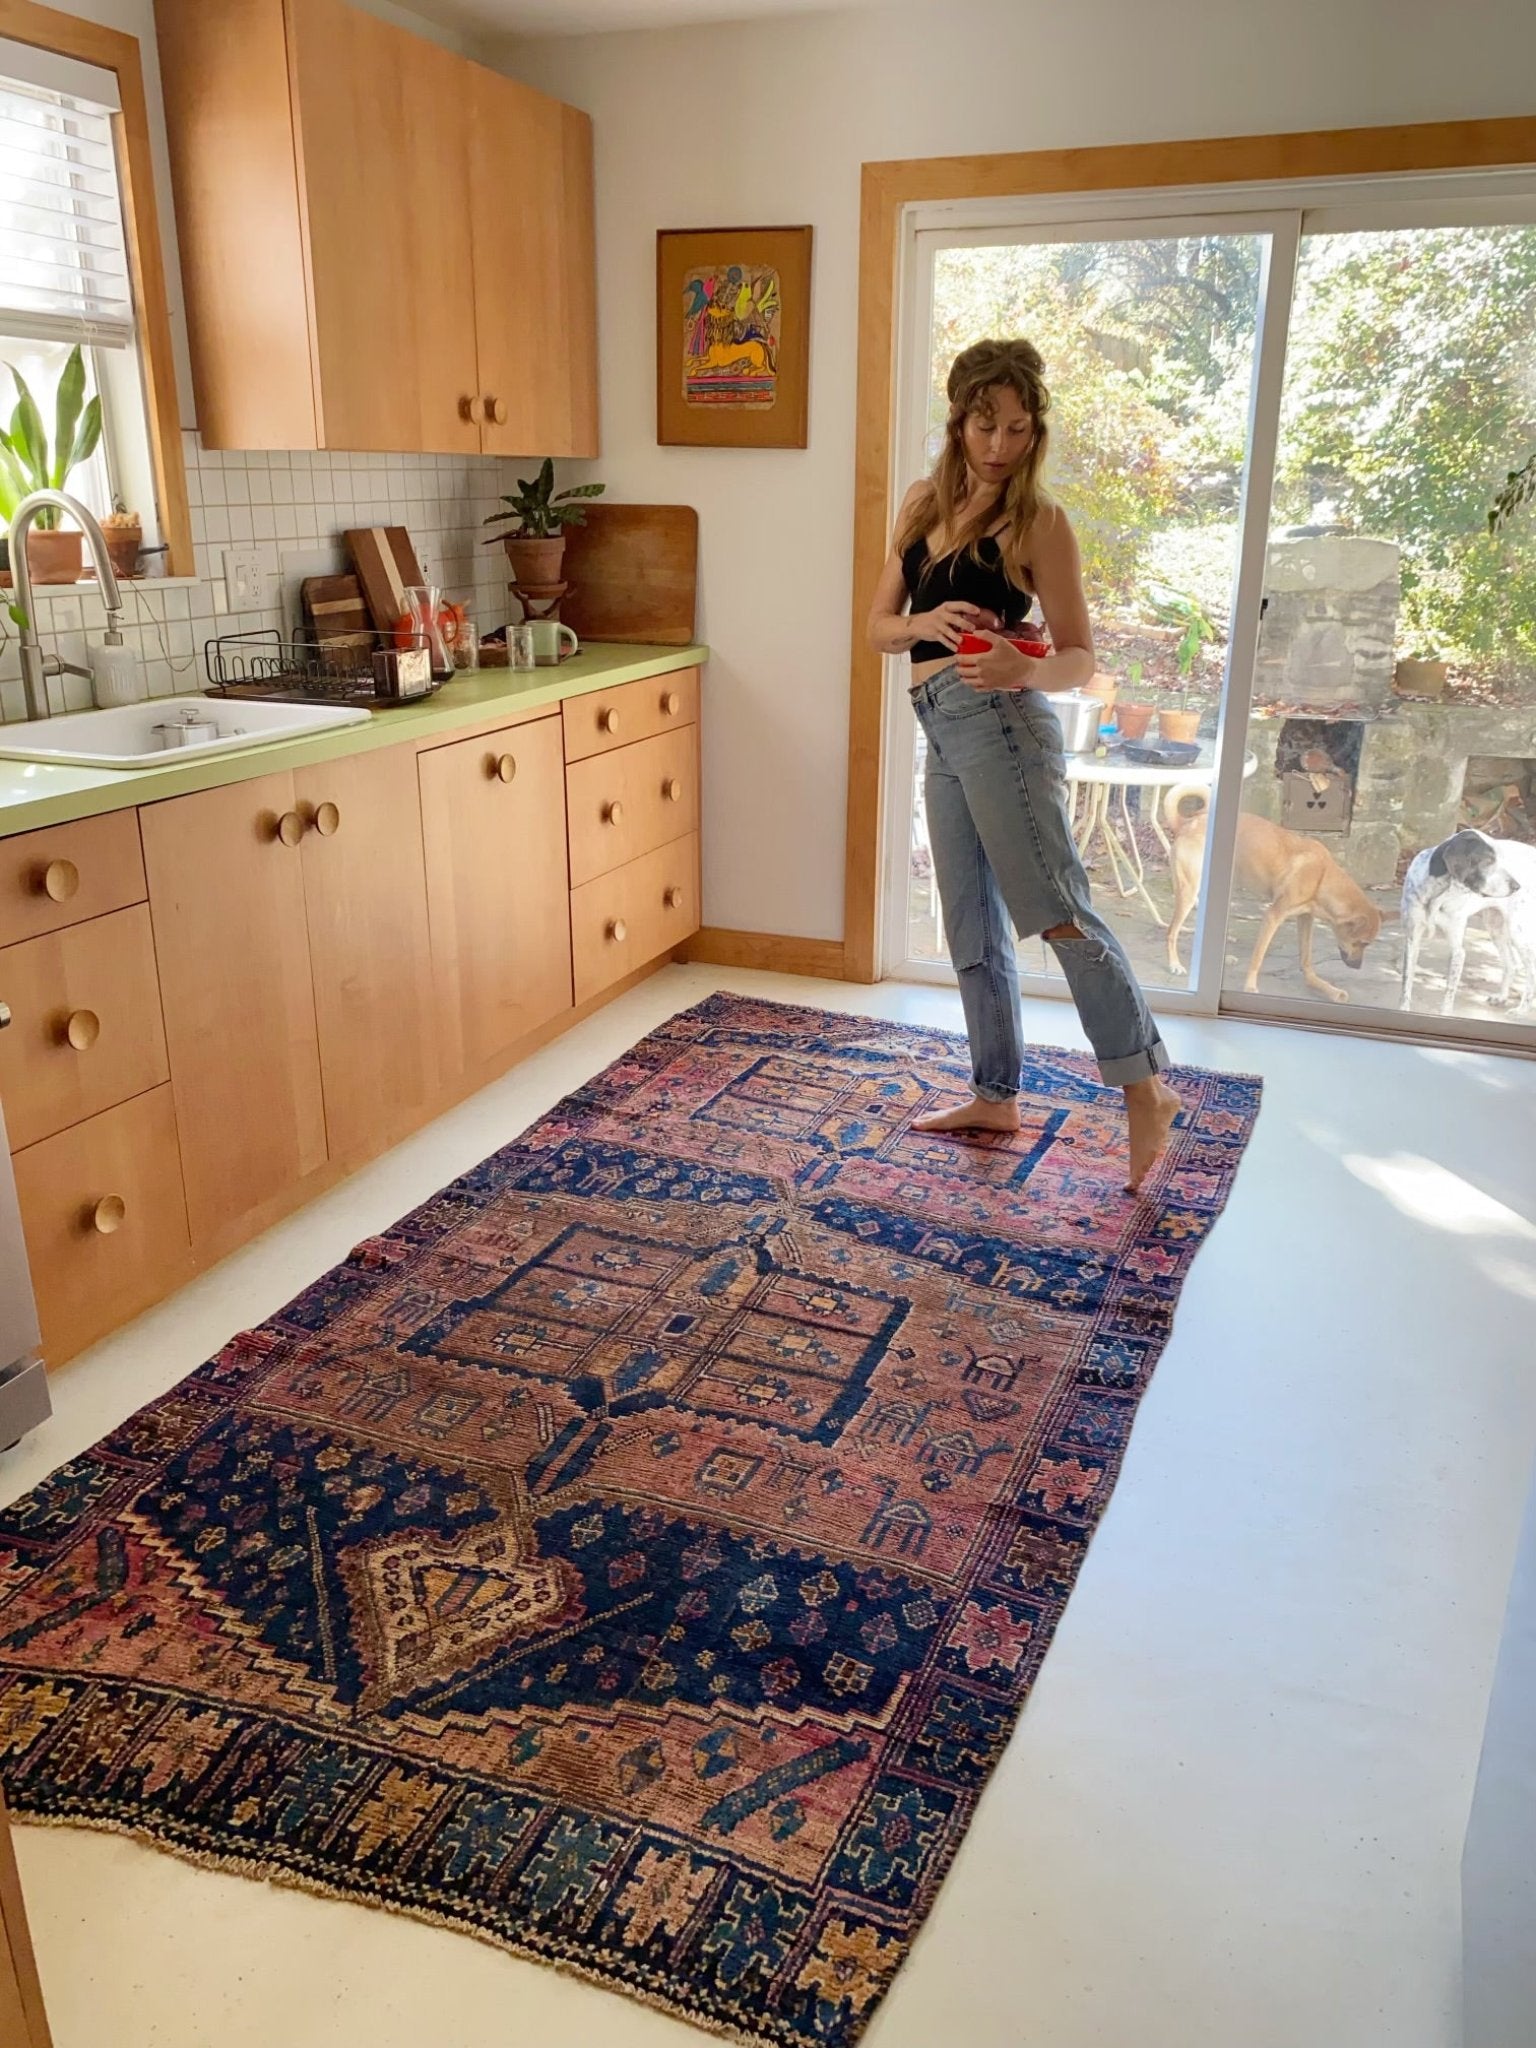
(386, 567)
(635, 574)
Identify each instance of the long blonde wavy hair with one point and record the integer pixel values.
(977, 372)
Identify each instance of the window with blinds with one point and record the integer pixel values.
(63, 258)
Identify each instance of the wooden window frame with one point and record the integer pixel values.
(888, 189)
(45, 28)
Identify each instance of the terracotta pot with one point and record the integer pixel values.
(1420, 678)
(56, 557)
(535, 561)
(1179, 725)
(123, 545)
(1133, 720)
(1103, 687)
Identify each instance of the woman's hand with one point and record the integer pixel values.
(1002, 667)
(947, 624)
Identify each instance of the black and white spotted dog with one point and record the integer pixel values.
(1446, 886)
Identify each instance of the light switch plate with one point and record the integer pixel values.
(245, 579)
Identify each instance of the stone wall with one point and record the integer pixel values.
(1328, 639)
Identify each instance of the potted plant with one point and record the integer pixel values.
(539, 515)
(1195, 627)
(123, 532)
(27, 464)
(1133, 718)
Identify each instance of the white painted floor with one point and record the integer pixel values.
(1233, 1813)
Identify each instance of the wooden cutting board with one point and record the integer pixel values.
(336, 613)
(635, 572)
(386, 567)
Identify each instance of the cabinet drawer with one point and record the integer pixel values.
(67, 873)
(105, 1221)
(623, 920)
(624, 804)
(634, 711)
(85, 1027)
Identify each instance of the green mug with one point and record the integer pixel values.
(548, 636)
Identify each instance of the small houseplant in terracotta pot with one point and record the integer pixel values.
(27, 464)
(1196, 627)
(1131, 717)
(123, 532)
(538, 515)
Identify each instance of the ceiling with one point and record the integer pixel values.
(587, 17)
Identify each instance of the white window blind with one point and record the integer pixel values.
(63, 260)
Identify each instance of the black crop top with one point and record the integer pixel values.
(962, 578)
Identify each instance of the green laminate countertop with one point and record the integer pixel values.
(34, 793)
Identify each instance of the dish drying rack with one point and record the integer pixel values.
(290, 668)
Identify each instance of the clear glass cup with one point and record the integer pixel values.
(521, 652)
(466, 647)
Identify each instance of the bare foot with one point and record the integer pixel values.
(1151, 1106)
(974, 1115)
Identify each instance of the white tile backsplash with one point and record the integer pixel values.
(294, 508)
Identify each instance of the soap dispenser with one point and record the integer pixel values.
(117, 675)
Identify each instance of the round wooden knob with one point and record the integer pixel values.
(608, 721)
(613, 814)
(61, 878)
(5, 1016)
(290, 828)
(506, 767)
(108, 1214)
(327, 820)
(473, 410)
(671, 703)
(82, 1029)
(673, 899)
(618, 930)
(672, 790)
(496, 411)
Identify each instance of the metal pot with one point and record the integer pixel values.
(1079, 716)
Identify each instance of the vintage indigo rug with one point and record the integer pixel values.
(639, 1556)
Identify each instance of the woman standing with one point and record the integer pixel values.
(975, 545)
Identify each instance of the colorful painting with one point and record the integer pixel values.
(733, 337)
(639, 1556)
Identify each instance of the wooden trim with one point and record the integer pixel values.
(715, 946)
(21, 1995)
(888, 187)
(45, 28)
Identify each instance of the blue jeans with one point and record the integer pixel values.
(1004, 857)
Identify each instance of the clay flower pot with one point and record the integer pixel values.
(535, 561)
(56, 557)
(1179, 725)
(1105, 688)
(1133, 720)
(124, 538)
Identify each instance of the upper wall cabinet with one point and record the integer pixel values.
(385, 247)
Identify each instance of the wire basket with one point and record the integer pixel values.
(362, 668)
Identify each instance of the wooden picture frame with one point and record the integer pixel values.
(733, 337)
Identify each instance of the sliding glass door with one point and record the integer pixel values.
(1280, 431)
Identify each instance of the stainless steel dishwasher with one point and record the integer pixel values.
(24, 1399)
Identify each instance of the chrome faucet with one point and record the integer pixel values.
(37, 665)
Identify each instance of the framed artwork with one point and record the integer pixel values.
(733, 337)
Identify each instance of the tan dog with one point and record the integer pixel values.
(1292, 875)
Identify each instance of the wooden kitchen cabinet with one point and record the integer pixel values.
(365, 902)
(105, 1220)
(384, 246)
(535, 287)
(226, 894)
(23, 2023)
(493, 826)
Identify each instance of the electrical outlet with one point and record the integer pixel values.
(245, 580)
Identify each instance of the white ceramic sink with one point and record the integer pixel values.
(125, 736)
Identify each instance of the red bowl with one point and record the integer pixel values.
(972, 643)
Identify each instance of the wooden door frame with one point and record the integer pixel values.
(888, 188)
(67, 35)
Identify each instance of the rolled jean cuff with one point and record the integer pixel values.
(1136, 1066)
(985, 1091)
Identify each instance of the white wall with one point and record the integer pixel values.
(769, 123)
